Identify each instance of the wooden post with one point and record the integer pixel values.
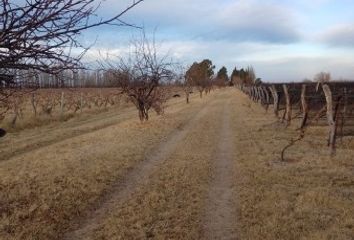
(261, 95)
(288, 105)
(344, 112)
(265, 90)
(330, 118)
(254, 91)
(304, 106)
(275, 95)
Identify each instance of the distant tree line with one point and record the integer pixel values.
(245, 77)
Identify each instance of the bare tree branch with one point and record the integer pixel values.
(140, 75)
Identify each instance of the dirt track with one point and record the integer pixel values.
(135, 178)
(220, 219)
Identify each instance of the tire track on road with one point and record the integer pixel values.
(132, 181)
(220, 216)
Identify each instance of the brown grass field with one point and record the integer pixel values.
(210, 169)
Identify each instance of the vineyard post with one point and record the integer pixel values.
(275, 100)
(267, 97)
(250, 92)
(304, 106)
(262, 94)
(330, 118)
(254, 94)
(344, 112)
(258, 94)
(288, 105)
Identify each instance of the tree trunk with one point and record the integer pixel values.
(143, 113)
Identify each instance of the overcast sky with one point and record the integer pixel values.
(284, 40)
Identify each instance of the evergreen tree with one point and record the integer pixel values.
(222, 78)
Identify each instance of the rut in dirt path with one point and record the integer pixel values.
(132, 181)
(220, 217)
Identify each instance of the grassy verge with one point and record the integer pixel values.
(310, 196)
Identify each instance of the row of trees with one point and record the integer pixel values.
(201, 75)
(245, 77)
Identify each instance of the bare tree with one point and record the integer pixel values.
(183, 81)
(187, 88)
(322, 78)
(140, 75)
(41, 36)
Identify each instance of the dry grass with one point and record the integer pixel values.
(42, 190)
(310, 196)
(27, 140)
(171, 206)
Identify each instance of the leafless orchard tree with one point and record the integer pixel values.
(140, 75)
(184, 81)
(187, 87)
(322, 78)
(42, 36)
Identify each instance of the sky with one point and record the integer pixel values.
(287, 40)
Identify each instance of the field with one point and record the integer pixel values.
(210, 169)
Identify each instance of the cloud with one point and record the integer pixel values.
(240, 21)
(339, 36)
(257, 21)
(276, 37)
